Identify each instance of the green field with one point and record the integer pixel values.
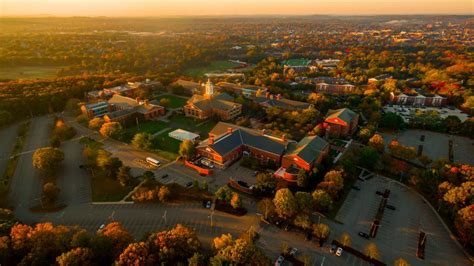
(296, 62)
(215, 66)
(175, 101)
(147, 127)
(164, 142)
(28, 72)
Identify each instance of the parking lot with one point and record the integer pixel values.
(436, 145)
(398, 232)
(405, 111)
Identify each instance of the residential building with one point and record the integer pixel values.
(211, 104)
(416, 98)
(341, 122)
(378, 78)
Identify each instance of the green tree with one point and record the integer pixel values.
(302, 179)
(72, 106)
(204, 186)
(224, 193)
(267, 207)
(165, 102)
(452, 124)
(302, 221)
(197, 260)
(304, 201)
(368, 157)
(392, 121)
(265, 182)
(47, 159)
(111, 129)
(50, 192)
(76, 257)
(322, 200)
(285, 203)
(321, 231)
(5, 118)
(142, 141)
(187, 149)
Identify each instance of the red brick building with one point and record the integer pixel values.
(341, 122)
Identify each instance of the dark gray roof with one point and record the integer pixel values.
(345, 114)
(120, 113)
(282, 103)
(308, 148)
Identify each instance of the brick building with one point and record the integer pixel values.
(341, 122)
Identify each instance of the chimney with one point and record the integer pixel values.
(138, 100)
(210, 140)
(229, 130)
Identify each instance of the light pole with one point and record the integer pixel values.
(164, 216)
(322, 262)
(211, 217)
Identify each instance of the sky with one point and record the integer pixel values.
(231, 7)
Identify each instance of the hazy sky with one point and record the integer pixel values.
(230, 7)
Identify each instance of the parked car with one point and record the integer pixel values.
(333, 248)
(242, 183)
(356, 187)
(339, 252)
(102, 226)
(279, 261)
(189, 184)
(164, 176)
(364, 235)
(208, 205)
(390, 207)
(379, 193)
(293, 251)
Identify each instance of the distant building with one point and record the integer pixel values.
(95, 109)
(418, 99)
(378, 78)
(125, 107)
(190, 86)
(341, 122)
(243, 89)
(278, 101)
(334, 85)
(211, 104)
(124, 90)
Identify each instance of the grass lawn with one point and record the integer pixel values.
(107, 189)
(220, 65)
(147, 127)
(175, 101)
(28, 72)
(164, 142)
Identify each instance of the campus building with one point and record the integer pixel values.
(418, 99)
(228, 142)
(270, 100)
(212, 104)
(341, 122)
(126, 109)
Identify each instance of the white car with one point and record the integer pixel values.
(293, 251)
(101, 227)
(279, 261)
(339, 252)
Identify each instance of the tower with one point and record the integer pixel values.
(209, 89)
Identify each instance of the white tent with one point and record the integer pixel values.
(182, 135)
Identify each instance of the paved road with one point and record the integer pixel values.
(397, 235)
(26, 184)
(7, 142)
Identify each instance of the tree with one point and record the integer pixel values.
(187, 149)
(236, 202)
(50, 192)
(177, 244)
(302, 179)
(392, 121)
(304, 201)
(302, 221)
(377, 142)
(265, 182)
(72, 106)
(76, 257)
(111, 129)
(118, 236)
(285, 203)
(96, 123)
(332, 183)
(47, 159)
(240, 252)
(136, 254)
(110, 165)
(322, 200)
(223, 241)
(204, 186)
(452, 124)
(196, 260)
(142, 141)
(267, 207)
(464, 223)
(224, 193)
(401, 262)
(368, 157)
(164, 193)
(124, 176)
(321, 231)
(372, 251)
(346, 239)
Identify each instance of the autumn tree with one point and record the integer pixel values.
(304, 201)
(118, 236)
(96, 123)
(111, 129)
(187, 149)
(124, 176)
(177, 244)
(464, 223)
(224, 193)
(321, 231)
(223, 241)
(322, 200)
(285, 203)
(240, 252)
(346, 239)
(302, 179)
(50, 192)
(236, 201)
(303, 221)
(265, 182)
(377, 142)
(136, 254)
(47, 159)
(267, 207)
(372, 251)
(72, 106)
(76, 257)
(164, 193)
(401, 262)
(332, 183)
(142, 141)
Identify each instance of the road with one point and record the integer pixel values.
(141, 218)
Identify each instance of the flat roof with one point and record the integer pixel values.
(182, 135)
